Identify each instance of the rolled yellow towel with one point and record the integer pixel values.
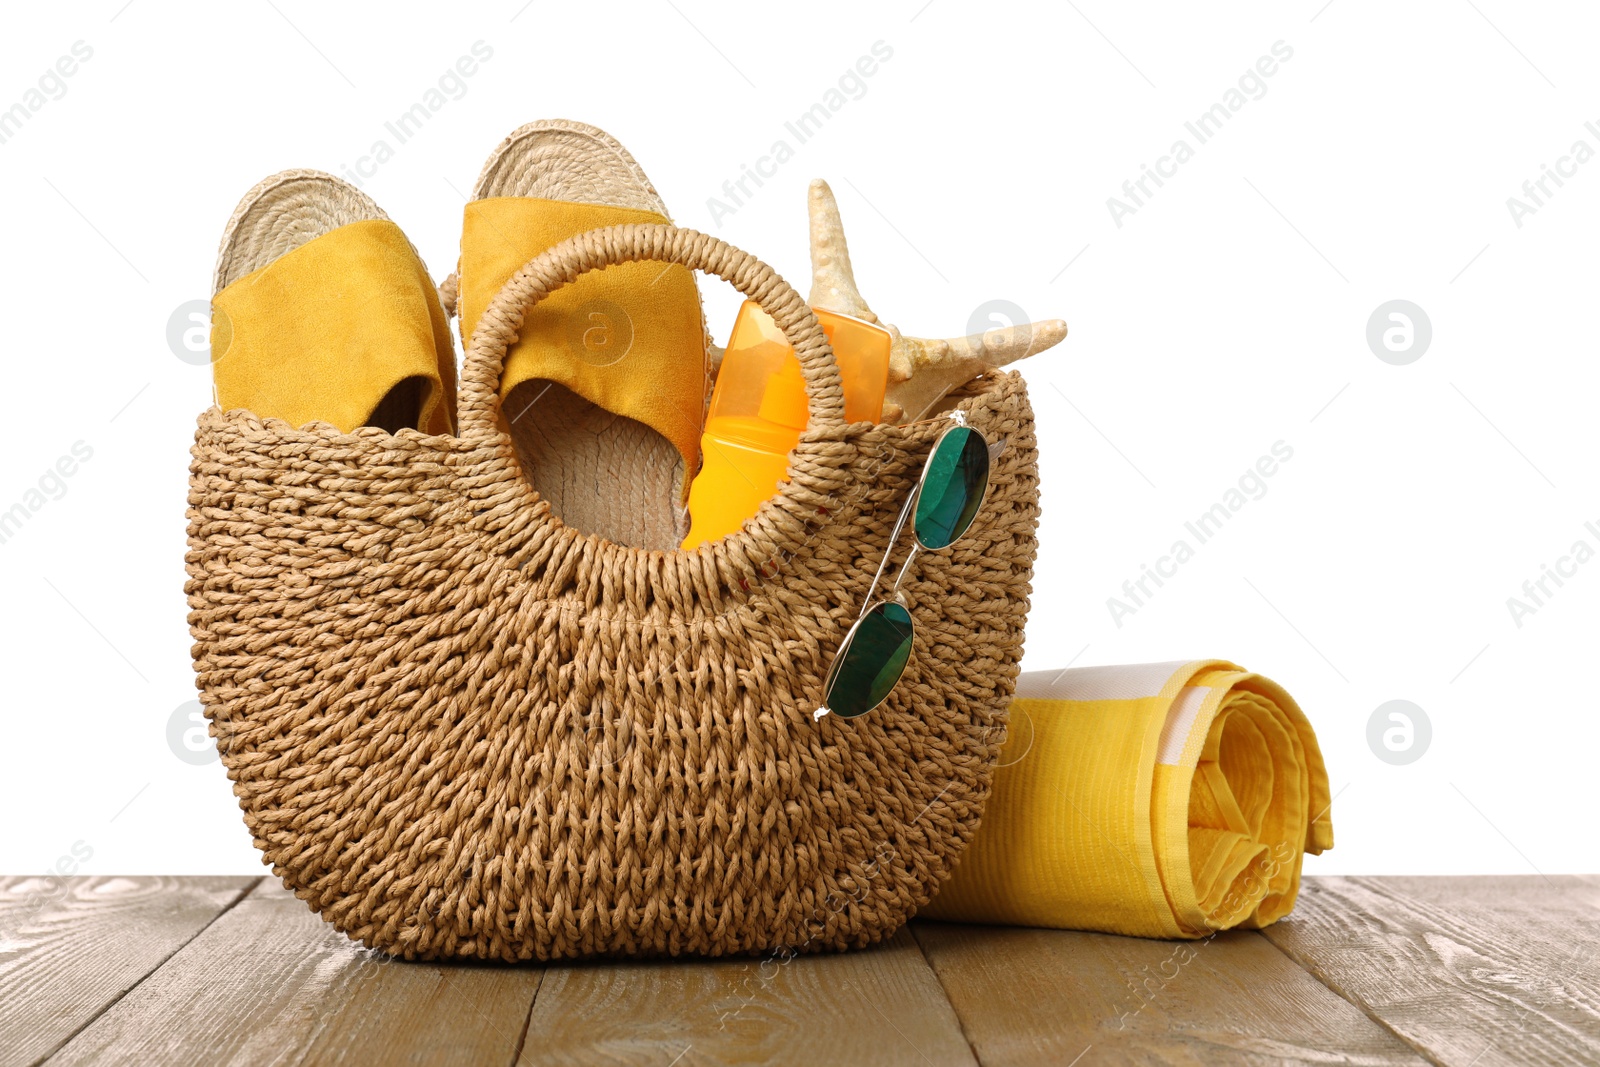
(1158, 800)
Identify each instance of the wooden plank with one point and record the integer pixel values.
(1469, 971)
(1057, 997)
(1479, 970)
(879, 1006)
(69, 947)
(270, 982)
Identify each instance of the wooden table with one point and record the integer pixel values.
(1468, 971)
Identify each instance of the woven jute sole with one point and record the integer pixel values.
(281, 213)
(602, 473)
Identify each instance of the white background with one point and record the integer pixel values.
(1226, 314)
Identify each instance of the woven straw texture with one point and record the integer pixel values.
(460, 728)
(283, 212)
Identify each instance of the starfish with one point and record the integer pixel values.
(922, 371)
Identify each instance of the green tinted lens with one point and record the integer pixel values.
(952, 488)
(871, 661)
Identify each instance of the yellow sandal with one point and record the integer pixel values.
(322, 311)
(604, 393)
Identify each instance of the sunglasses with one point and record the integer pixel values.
(877, 648)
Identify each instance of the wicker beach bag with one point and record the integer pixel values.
(460, 728)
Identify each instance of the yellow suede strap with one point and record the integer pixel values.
(325, 331)
(628, 339)
(1157, 800)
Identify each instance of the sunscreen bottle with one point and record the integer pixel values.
(758, 411)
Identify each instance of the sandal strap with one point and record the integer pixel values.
(629, 339)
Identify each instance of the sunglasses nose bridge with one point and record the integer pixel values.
(896, 594)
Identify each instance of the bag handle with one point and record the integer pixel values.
(497, 327)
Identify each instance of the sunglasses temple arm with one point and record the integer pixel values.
(894, 539)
